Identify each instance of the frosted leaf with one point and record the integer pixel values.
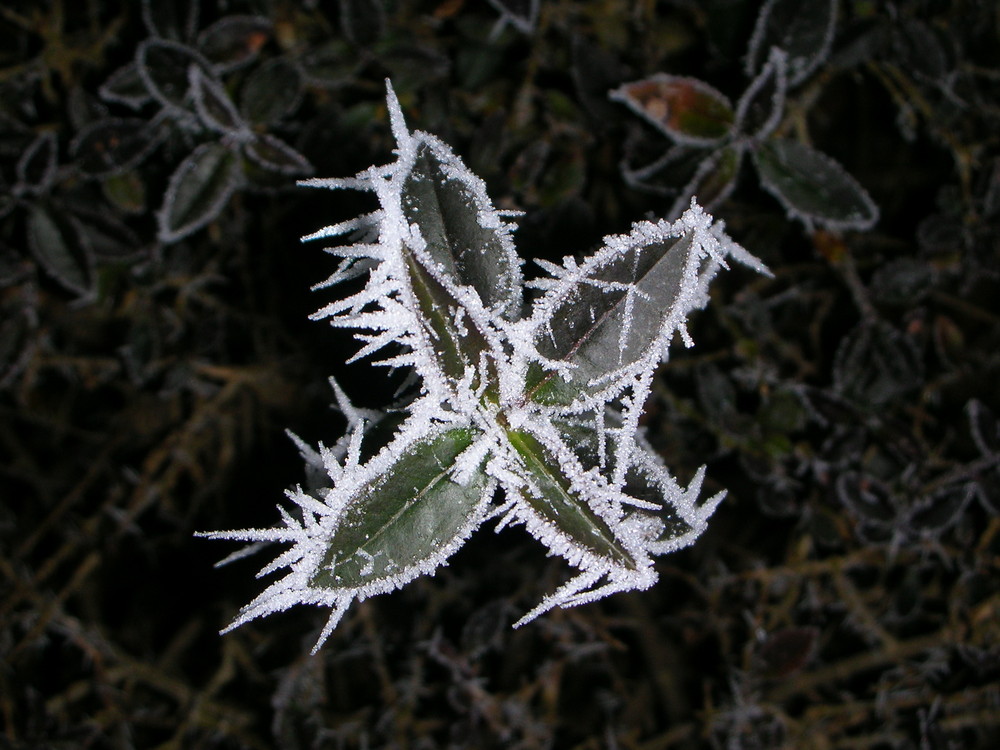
(612, 317)
(113, 146)
(126, 86)
(463, 232)
(686, 110)
(36, 169)
(762, 105)
(198, 190)
(812, 187)
(382, 524)
(804, 32)
(213, 105)
(713, 182)
(521, 14)
(163, 67)
(275, 155)
(54, 240)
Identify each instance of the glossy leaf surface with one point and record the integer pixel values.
(404, 517)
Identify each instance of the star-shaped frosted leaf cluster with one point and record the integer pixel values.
(524, 414)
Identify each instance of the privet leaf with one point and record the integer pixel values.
(272, 91)
(234, 41)
(685, 109)
(714, 181)
(198, 190)
(403, 517)
(551, 496)
(36, 169)
(126, 86)
(163, 67)
(212, 103)
(112, 146)
(804, 32)
(875, 363)
(55, 242)
(464, 236)
(760, 108)
(812, 187)
(276, 155)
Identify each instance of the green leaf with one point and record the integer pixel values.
(54, 241)
(466, 245)
(714, 180)
(275, 155)
(198, 190)
(271, 91)
(234, 41)
(876, 364)
(685, 109)
(163, 67)
(613, 317)
(463, 233)
(812, 187)
(803, 31)
(113, 146)
(557, 504)
(212, 103)
(457, 348)
(126, 86)
(404, 517)
(642, 481)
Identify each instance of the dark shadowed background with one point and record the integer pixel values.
(154, 346)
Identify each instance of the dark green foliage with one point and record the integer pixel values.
(847, 594)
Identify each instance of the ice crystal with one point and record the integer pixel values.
(543, 405)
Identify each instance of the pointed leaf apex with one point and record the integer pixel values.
(396, 121)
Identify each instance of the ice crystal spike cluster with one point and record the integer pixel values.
(525, 413)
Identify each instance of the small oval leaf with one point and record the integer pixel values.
(272, 91)
(55, 242)
(198, 190)
(36, 168)
(812, 187)
(163, 67)
(277, 156)
(804, 32)
(685, 109)
(760, 108)
(212, 103)
(875, 364)
(125, 86)
(234, 41)
(113, 146)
